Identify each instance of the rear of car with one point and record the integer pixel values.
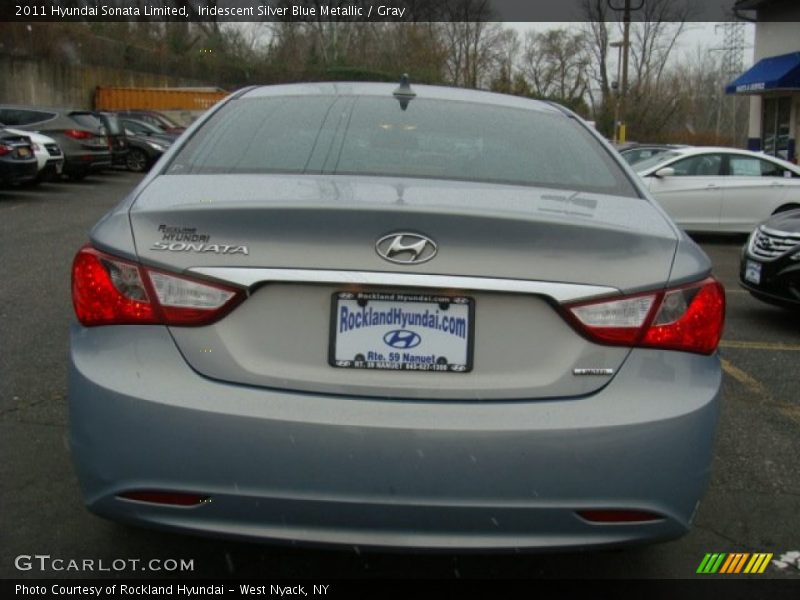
(49, 157)
(80, 135)
(338, 314)
(17, 159)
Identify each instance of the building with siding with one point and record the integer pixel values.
(773, 82)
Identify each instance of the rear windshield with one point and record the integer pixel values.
(142, 127)
(374, 136)
(86, 120)
(112, 123)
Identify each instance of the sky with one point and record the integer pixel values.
(698, 35)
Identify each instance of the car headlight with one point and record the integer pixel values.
(749, 244)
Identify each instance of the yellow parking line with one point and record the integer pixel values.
(790, 411)
(760, 346)
(751, 383)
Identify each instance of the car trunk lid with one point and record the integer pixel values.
(277, 234)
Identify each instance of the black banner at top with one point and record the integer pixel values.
(373, 10)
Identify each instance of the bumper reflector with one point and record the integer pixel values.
(618, 516)
(167, 498)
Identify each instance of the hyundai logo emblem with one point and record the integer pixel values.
(406, 248)
(401, 338)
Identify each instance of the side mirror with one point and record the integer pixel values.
(665, 172)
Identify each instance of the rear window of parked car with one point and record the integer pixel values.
(22, 116)
(370, 135)
(86, 120)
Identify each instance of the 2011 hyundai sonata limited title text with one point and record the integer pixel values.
(394, 316)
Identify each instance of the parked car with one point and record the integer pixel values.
(146, 144)
(343, 313)
(117, 140)
(49, 158)
(154, 118)
(770, 266)
(17, 160)
(721, 189)
(78, 133)
(639, 152)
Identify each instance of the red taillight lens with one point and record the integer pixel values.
(687, 318)
(78, 134)
(690, 318)
(110, 291)
(106, 290)
(5, 149)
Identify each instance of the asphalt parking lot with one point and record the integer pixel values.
(751, 506)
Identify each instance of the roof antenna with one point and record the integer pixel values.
(404, 93)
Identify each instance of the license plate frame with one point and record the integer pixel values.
(381, 338)
(752, 272)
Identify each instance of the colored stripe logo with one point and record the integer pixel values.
(734, 563)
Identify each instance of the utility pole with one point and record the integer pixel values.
(626, 9)
(616, 87)
(733, 47)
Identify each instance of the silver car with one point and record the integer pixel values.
(388, 316)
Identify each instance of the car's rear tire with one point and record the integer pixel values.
(136, 161)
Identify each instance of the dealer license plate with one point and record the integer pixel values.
(752, 272)
(401, 332)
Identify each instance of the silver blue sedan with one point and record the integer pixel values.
(394, 316)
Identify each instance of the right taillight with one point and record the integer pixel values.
(107, 290)
(687, 318)
(78, 134)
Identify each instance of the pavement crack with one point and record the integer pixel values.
(718, 533)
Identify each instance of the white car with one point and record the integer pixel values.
(48, 154)
(721, 189)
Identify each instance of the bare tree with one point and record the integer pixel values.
(507, 52)
(655, 30)
(597, 39)
(471, 40)
(555, 64)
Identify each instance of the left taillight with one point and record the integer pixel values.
(107, 290)
(689, 318)
(78, 134)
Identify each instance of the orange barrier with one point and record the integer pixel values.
(130, 98)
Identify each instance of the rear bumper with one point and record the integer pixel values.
(52, 169)
(87, 162)
(13, 171)
(416, 474)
